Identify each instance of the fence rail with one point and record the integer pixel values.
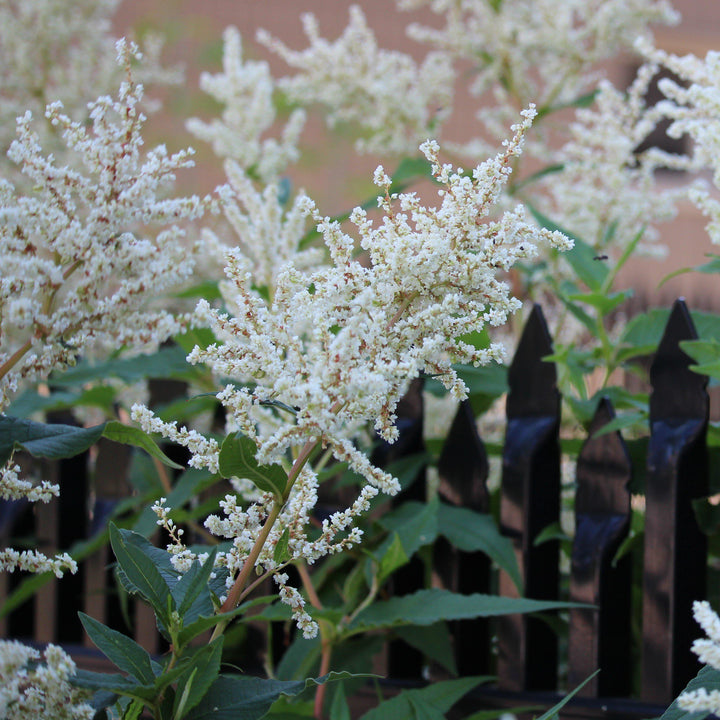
(524, 652)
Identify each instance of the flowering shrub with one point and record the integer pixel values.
(318, 329)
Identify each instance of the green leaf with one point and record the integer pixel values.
(433, 701)
(340, 710)
(534, 177)
(553, 531)
(471, 531)
(208, 290)
(708, 678)
(426, 607)
(235, 697)
(281, 553)
(646, 329)
(141, 574)
(553, 711)
(392, 557)
(202, 624)
(411, 168)
(53, 441)
(237, 459)
(129, 435)
(415, 523)
(193, 587)
(604, 303)
(187, 486)
(202, 672)
(114, 683)
(166, 362)
(581, 257)
(121, 650)
(433, 641)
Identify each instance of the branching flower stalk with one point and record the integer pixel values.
(77, 275)
(336, 347)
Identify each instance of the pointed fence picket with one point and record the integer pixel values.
(530, 663)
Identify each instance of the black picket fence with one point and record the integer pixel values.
(533, 662)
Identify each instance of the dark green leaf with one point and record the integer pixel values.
(553, 711)
(708, 678)
(121, 650)
(166, 362)
(129, 435)
(202, 624)
(234, 697)
(237, 459)
(191, 592)
(281, 553)
(581, 257)
(392, 557)
(53, 441)
(415, 523)
(141, 574)
(426, 607)
(202, 672)
(433, 701)
(470, 531)
(340, 710)
(114, 683)
(433, 641)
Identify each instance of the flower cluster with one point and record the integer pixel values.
(85, 253)
(708, 652)
(607, 192)
(693, 110)
(396, 102)
(329, 349)
(29, 691)
(77, 274)
(54, 50)
(247, 90)
(267, 234)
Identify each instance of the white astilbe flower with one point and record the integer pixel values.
(708, 652)
(291, 597)
(607, 193)
(328, 350)
(42, 691)
(58, 50)
(340, 344)
(395, 102)
(36, 562)
(541, 50)
(84, 253)
(268, 235)
(13, 488)
(695, 110)
(246, 90)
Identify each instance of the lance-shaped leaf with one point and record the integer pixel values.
(114, 683)
(426, 607)
(707, 679)
(53, 441)
(141, 575)
(121, 650)
(197, 678)
(237, 459)
(431, 702)
(191, 592)
(235, 697)
(129, 435)
(471, 531)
